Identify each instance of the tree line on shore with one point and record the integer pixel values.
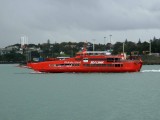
(71, 48)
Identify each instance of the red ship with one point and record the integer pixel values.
(89, 61)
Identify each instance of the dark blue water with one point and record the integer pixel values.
(25, 95)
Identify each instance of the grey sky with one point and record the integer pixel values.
(78, 20)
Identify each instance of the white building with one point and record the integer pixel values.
(24, 41)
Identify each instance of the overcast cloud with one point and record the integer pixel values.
(78, 20)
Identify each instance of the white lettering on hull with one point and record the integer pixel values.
(97, 62)
(70, 62)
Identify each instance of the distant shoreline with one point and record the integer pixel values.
(6, 62)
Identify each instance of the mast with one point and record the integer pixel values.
(110, 42)
(93, 43)
(123, 47)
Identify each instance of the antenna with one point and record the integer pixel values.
(93, 43)
(104, 40)
(110, 42)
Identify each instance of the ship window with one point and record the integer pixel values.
(118, 65)
(63, 65)
(102, 65)
(110, 65)
(110, 59)
(95, 65)
(75, 64)
(59, 65)
(85, 58)
(117, 59)
(86, 65)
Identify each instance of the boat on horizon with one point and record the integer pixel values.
(88, 62)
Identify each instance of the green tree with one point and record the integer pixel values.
(117, 48)
(130, 47)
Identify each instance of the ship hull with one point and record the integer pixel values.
(88, 62)
(49, 67)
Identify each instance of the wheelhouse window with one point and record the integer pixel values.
(85, 59)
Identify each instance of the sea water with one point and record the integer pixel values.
(25, 95)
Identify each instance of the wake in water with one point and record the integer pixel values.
(36, 72)
(150, 71)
